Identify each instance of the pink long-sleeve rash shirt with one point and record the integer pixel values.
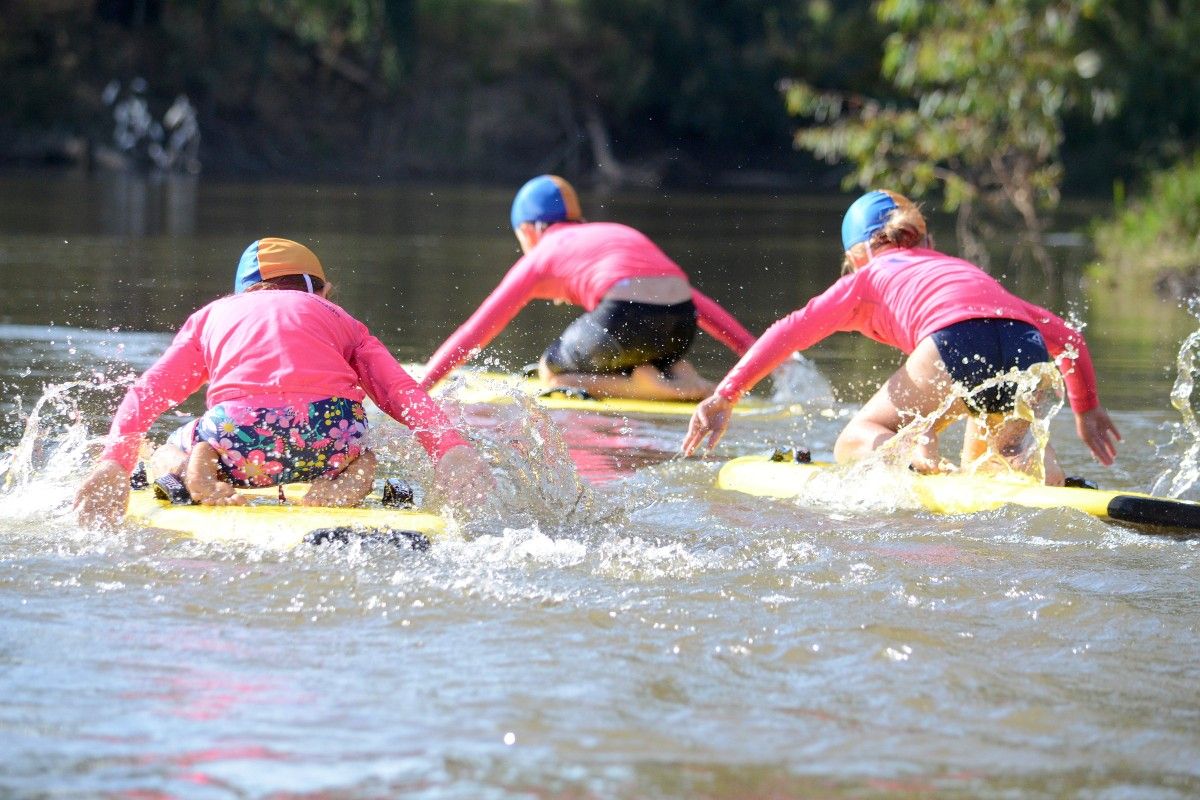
(272, 349)
(577, 263)
(901, 297)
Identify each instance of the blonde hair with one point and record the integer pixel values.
(905, 227)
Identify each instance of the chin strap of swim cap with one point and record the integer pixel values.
(308, 283)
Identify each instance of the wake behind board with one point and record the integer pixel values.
(267, 524)
(497, 387)
(782, 476)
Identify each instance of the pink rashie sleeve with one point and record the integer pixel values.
(720, 324)
(833, 310)
(399, 396)
(177, 373)
(485, 324)
(1071, 354)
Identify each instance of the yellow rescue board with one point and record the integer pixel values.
(964, 494)
(268, 524)
(498, 387)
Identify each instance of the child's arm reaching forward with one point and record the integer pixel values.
(102, 497)
(462, 473)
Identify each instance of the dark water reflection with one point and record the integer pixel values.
(413, 262)
(664, 639)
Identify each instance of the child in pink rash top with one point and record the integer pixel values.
(959, 327)
(642, 314)
(287, 371)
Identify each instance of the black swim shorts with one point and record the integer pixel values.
(619, 335)
(976, 350)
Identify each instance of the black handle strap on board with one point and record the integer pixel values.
(169, 487)
(792, 455)
(391, 537)
(571, 392)
(398, 494)
(1163, 513)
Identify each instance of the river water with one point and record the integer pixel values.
(621, 628)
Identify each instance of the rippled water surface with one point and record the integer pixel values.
(620, 628)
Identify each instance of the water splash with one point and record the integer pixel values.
(537, 481)
(1020, 448)
(53, 443)
(798, 381)
(1174, 481)
(51, 453)
(1014, 442)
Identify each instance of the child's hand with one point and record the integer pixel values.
(464, 478)
(711, 418)
(1099, 433)
(103, 496)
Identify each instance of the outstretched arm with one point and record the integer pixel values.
(1092, 423)
(461, 473)
(822, 315)
(399, 396)
(102, 497)
(171, 380)
(720, 324)
(484, 325)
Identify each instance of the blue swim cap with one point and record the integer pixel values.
(866, 215)
(546, 198)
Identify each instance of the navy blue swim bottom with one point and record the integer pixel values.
(976, 350)
(619, 335)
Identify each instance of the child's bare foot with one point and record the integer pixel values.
(690, 384)
(203, 479)
(927, 458)
(931, 466)
(347, 488)
(222, 494)
(651, 383)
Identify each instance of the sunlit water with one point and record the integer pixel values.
(614, 626)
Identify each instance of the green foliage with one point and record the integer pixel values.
(1150, 57)
(972, 100)
(1159, 232)
(980, 92)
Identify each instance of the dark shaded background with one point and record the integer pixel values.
(627, 92)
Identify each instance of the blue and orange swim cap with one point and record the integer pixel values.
(272, 258)
(866, 215)
(546, 198)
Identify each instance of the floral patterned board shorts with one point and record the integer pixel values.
(269, 446)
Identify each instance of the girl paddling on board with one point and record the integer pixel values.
(641, 312)
(959, 328)
(287, 371)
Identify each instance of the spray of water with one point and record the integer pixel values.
(537, 482)
(1174, 481)
(52, 452)
(798, 381)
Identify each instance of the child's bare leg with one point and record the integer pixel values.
(203, 479)
(918, 389)
(347, 488)
(167, 460)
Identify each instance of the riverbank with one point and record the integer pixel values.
(1155, 236)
